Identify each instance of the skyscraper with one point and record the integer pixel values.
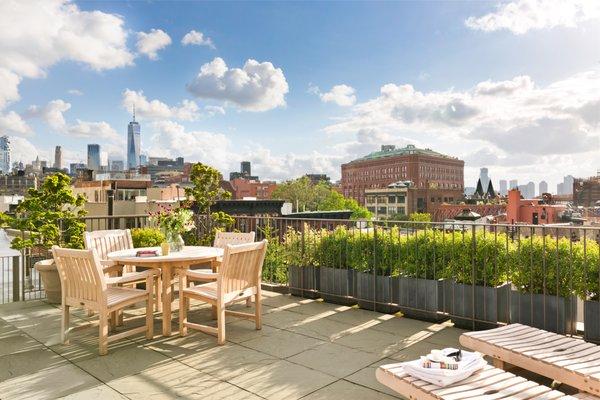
(133, 143)
(58, 157)
(93, 157)
(530, 190)
(4, 155)
(568, 184)
(543, 186)
(513, 184)
(503, 187)
(117, 165)
(246, 168)
(484, 178)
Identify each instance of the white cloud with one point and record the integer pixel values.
(504, 88)
(150, 43)
(171, 139)
(39, 33)
(188, 110)
(255, 87)
(9, 87)
(342, 95)
(197, 38)
(22, 150)
(520, 16)
(75, 92)
(214, 110)
(524, 123)
(94, 130)
(52, 113)
(13, 123)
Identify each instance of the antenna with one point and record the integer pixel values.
(133, 112)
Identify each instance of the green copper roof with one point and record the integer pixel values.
(391, 151)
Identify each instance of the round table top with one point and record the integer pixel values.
(189, 253)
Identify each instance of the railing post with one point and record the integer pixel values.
(16, 276)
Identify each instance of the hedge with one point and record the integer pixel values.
(536, 264)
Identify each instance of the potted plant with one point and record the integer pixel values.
(475, 288)
(587, 259)
(337, 278)
(51, 215)
(173, 223)
(544, 284)
(373, 256)
(300, 253)
(417, 287)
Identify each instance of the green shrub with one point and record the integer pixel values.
(147, 237)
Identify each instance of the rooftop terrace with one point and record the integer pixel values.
(307, 349)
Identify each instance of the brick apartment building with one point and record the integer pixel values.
(251, 188)
(436, 177)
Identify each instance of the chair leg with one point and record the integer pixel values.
(249, 302)
(89, 313)
(220, 324)
(64, 325)
(149, 317)
(120, 317)
(183, 309)
(258, 311)
(158, 293)
(113, 321)
(103, 334)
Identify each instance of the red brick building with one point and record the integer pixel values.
(251, 188)
(436, 177)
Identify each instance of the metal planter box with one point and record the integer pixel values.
(304, 281)
(374, 292)
(475, 306)
(419, 298)
(591, 320)
(337, 285)
(551, 313)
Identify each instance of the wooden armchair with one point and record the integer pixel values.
(239, 278)
(106, 241)
(84, 285)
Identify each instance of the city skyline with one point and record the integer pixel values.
(451, 82)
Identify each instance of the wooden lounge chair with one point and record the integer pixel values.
(565, 359)
(488, 383)
(238, 279)
(83, 284)
(106, 241)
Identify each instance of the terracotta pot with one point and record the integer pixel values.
(50, 279)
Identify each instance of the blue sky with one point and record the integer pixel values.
(514, 86)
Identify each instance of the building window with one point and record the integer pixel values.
(433, 199)
(391, 199)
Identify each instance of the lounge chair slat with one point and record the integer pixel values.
(537, 355)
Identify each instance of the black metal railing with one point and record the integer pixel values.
(478, 275)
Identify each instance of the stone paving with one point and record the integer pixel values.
(307, 349)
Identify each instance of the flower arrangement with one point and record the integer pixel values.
(173, 222)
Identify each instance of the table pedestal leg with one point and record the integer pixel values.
(166, 300)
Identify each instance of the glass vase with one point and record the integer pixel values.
(176, 242)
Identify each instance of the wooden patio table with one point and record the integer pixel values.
(190, 255)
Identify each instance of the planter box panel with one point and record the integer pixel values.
(591, 320)
(551, 313)
(371, 290)
(304, 281)
(337, 285)
(419, 298)
(474, 303)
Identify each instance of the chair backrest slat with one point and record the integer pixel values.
(104, 242)
(242, 267)
(222, 239)
(81, 275)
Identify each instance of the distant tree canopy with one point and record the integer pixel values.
(305, 195)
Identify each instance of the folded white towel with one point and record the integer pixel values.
(470, 363)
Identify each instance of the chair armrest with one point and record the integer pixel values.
(132, 277)
(200, 275)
